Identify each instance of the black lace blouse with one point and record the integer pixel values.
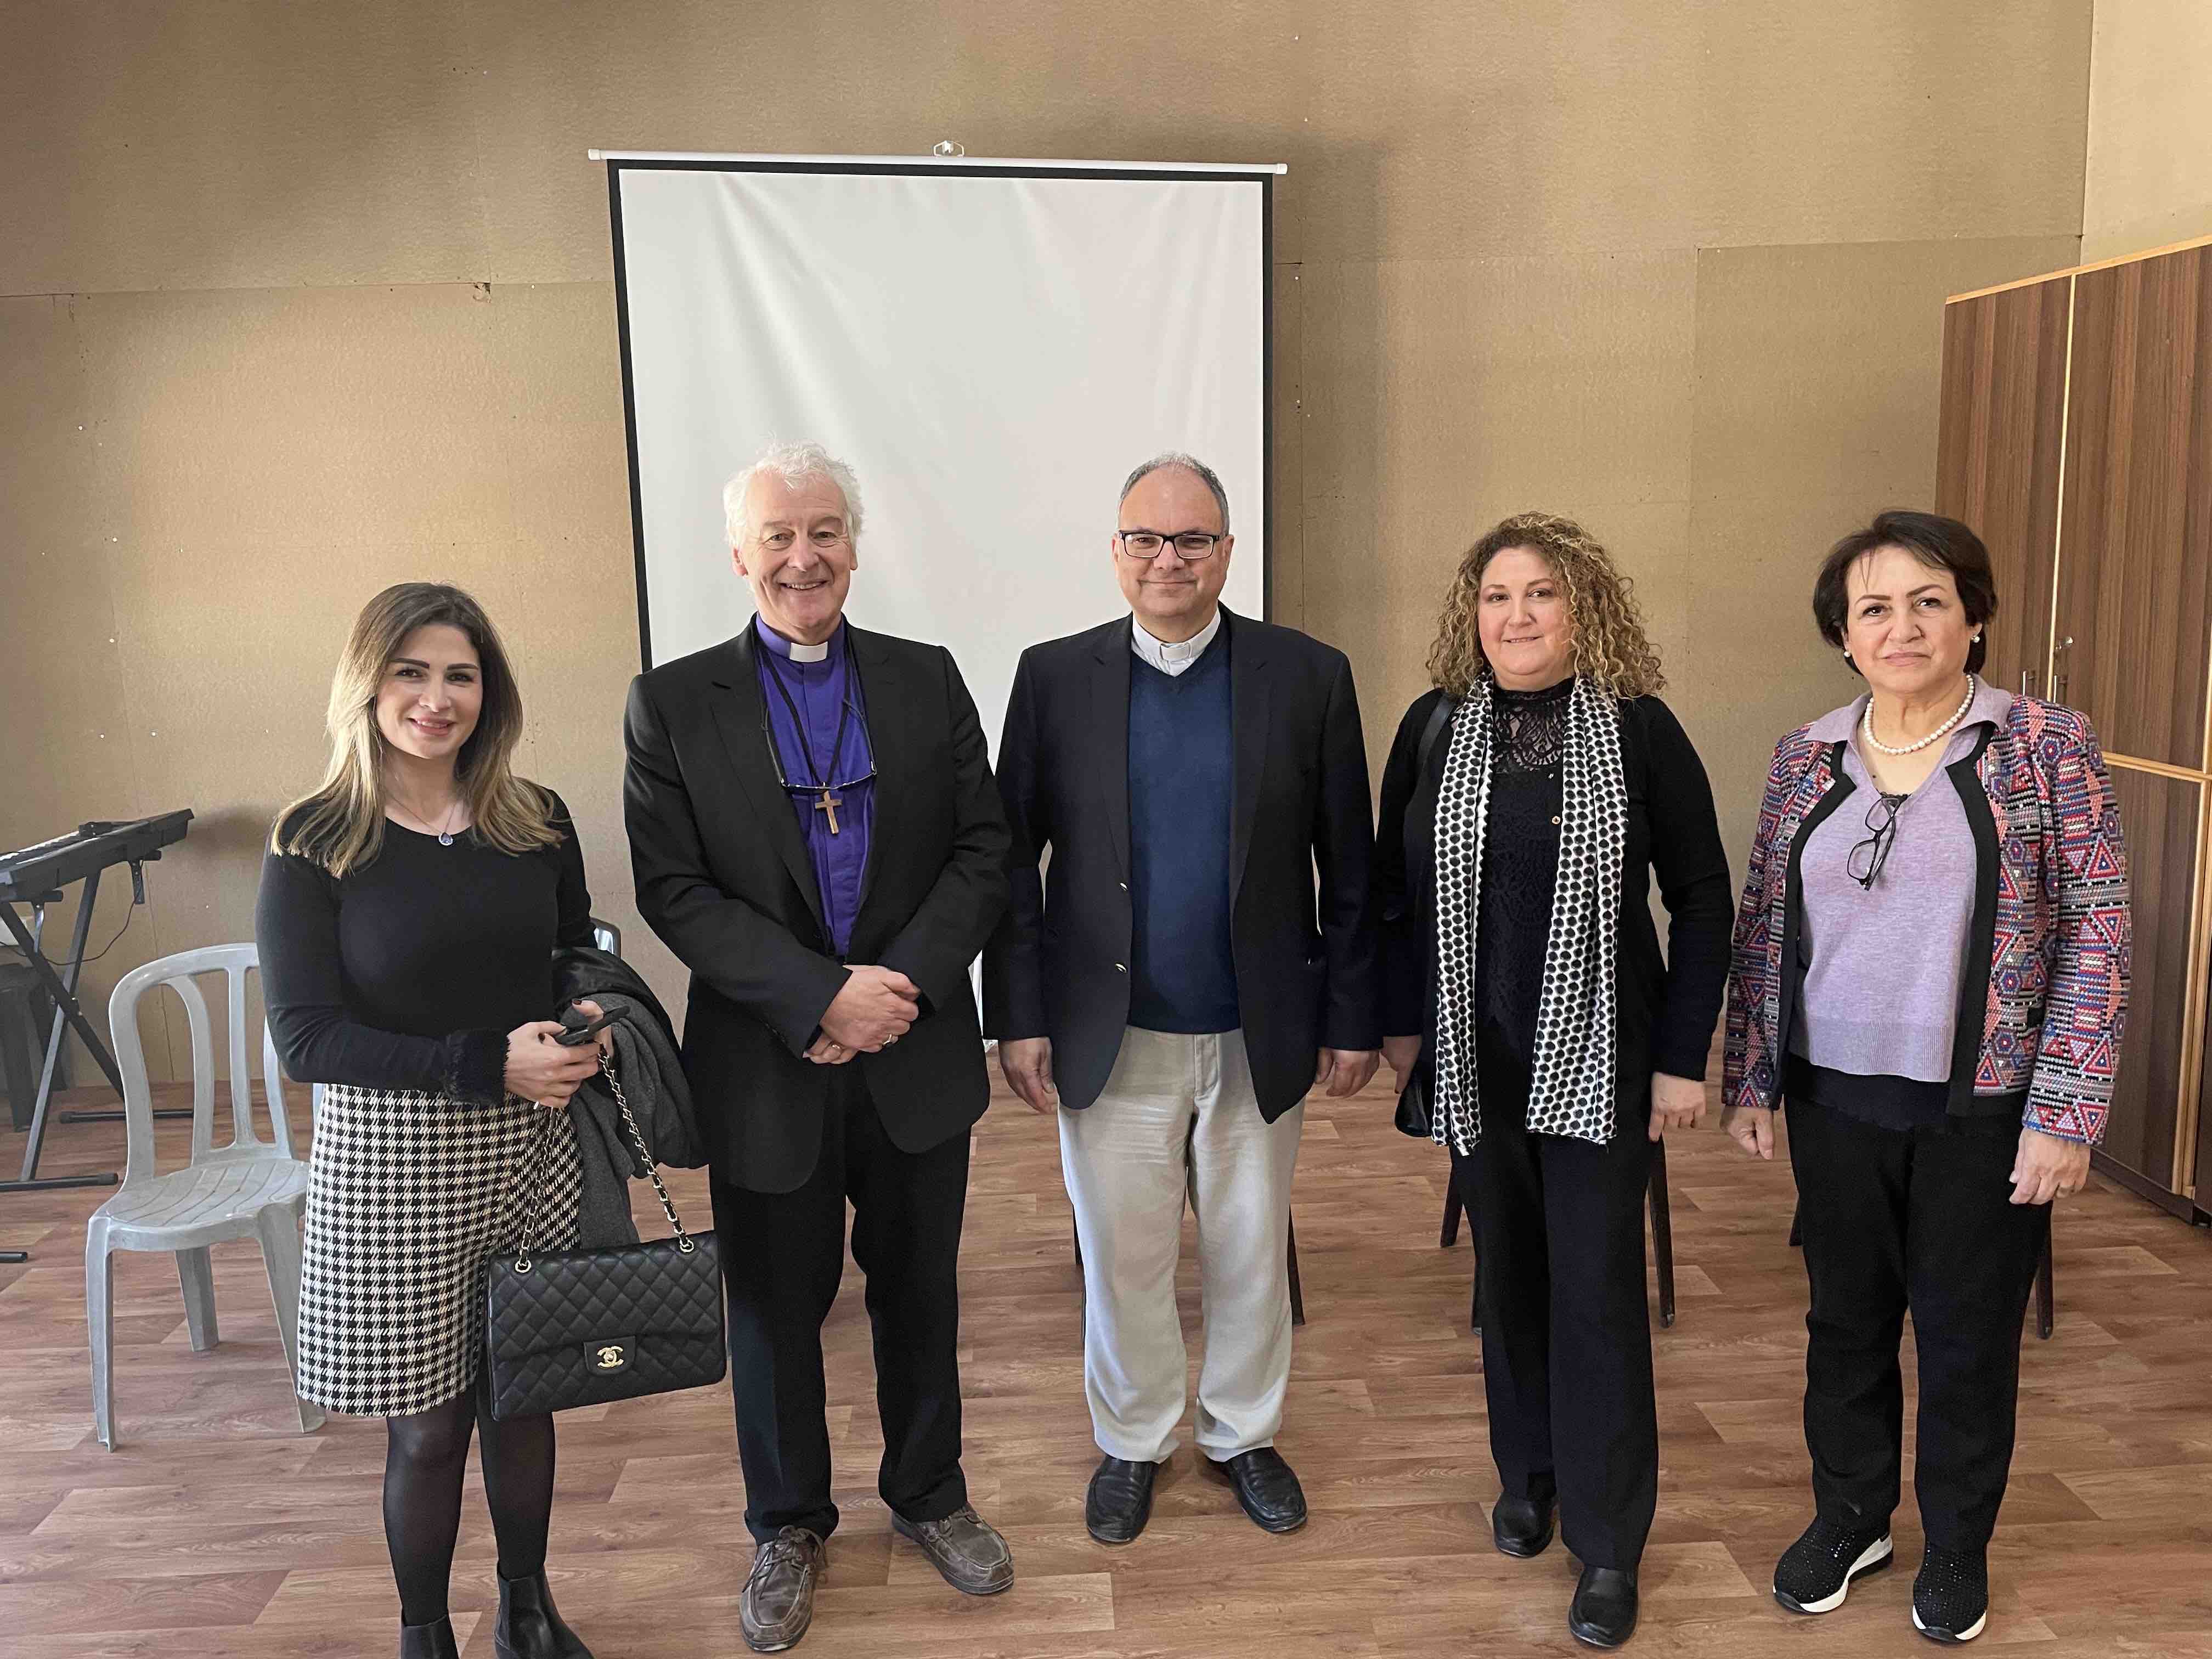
(1520, 859)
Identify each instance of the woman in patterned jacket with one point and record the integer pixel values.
(1528, 802)
(1930, 966)
(408, 911)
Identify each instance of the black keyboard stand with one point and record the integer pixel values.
(61, 991)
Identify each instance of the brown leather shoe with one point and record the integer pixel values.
(967, 1549)
(778, 1603)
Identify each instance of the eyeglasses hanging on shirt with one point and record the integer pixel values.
(1866, 857)
(823, 783)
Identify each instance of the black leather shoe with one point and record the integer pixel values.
(1603, 1612)
(432, 1641)
(1120, 1500)
(1267, 1487)
(1522, 1526)
(530, 1626)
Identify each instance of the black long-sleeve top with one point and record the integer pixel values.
(410, 972)
(1666, 1005)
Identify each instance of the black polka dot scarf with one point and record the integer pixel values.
(1572, 1085)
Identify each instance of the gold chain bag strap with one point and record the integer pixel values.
(578, 1328)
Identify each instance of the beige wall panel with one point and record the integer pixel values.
(269, 460)
(1148, 81)
(2150, 168)
(321, 421)
(216, 143)
(1819, 383)
(66, 753)
(1433, 139)
(1757, 666)
(229, 142)
(1443, 395)
(62, 752)
(1487, 301)
(557, 379)
(1820, 370)
(1890, 121)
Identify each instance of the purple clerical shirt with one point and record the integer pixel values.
(823, 691)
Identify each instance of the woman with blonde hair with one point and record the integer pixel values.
(1528, 800)
(408, 911)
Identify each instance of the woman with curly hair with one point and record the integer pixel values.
(1527, 800)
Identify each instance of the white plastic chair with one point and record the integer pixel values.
(248, 1187)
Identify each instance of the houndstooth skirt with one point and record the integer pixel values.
(409, 1195)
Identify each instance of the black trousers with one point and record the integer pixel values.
(1922, 1219)
(783, 1255)
(1566, 1331)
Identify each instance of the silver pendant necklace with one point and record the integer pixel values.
(1866, 723)
(445, 835)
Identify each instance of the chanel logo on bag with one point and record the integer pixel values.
(609, 1357)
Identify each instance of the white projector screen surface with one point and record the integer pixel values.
(991, 354)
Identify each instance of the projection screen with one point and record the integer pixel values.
(992, 346)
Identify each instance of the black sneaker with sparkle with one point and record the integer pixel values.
(1951, 1596)
(1815, 1574)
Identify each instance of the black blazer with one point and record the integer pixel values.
(1304, 952)
(1664, 1007)
(724, 877)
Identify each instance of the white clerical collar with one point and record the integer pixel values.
(790, 648)
(1171, 659)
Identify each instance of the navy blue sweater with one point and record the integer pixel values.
(1180, 768)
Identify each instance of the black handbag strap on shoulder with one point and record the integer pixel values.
(1413, 1116)
(1439, 717)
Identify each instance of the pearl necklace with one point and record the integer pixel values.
(1866, 724)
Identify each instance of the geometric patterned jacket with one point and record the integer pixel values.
(2052, 912)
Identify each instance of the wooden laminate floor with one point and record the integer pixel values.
(217, 1529)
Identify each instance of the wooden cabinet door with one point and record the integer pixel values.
(2159, 815)
(1998, 457)
(2135, 592)
(2200, 1179)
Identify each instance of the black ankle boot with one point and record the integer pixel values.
(432, 1641)
(529, 1626)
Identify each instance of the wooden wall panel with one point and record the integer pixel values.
(2135, 539)
(2160, 815)
(2197, 1178)
(1998, 454)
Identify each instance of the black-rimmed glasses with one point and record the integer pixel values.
(1867, 856)
(1190, 545)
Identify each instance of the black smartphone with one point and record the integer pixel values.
(577, 1035)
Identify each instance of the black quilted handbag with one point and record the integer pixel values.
(577, 1327)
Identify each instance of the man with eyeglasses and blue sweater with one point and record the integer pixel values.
(1178, 980)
